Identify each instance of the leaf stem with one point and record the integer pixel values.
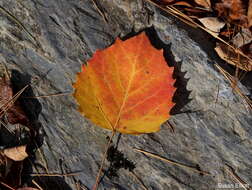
(103, 160)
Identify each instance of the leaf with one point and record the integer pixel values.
(5, 91)
(242, 38)
(13, 177)
(27, 188)
(10, 170)
(204, 3)
(231, 57)
(16, 153)
(182, 3)
(9, 106)
(127, 87)
(167, 1)
(173, 2)
(212, 23)
(250, 14)
(232, 10)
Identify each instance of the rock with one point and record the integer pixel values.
(47, 45)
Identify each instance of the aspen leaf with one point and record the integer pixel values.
(128, 87)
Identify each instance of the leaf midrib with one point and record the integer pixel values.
(125, 96)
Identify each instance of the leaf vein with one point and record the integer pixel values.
(142, 101)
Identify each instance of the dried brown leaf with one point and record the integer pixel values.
(250, 14)
(182, 3)
(16, 153)
(15, 115)
(227, 33)
(204, 3)
(242, 38)
(5, 91)
(194, 11)
(233, 58)
(164, 2)
(232, 10)
(9, 106)
(13, 177)
(212, 23)
(173, 2)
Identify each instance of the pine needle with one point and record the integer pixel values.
(172, 162)
(233, 83)
(56, 174)
(139, 180)
(243, 184)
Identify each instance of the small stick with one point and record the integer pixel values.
(4, 184)
(6, 71)
(37, 185)
(50, 95)
(103, 161)
(171, 162)
(43, 159)
(9, 103)
(77, 184)
(237, 178)
(217, 94)
(168, 124)
(235, 88)
(80, 187)
(55, 174)
(6, 127)
(99, 11)
(139, 180)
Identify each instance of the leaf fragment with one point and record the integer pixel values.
(233, 58)
(244, 37)
(233, 10)
(204, 3)
(250, 14)
(10, 106)
(212, 23)
(16, 153)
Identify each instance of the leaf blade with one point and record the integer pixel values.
(109, 88)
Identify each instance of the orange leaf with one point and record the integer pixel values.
(127, 87)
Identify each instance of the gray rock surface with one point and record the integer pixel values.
(61, 35)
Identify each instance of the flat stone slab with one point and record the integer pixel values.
(48, 43)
